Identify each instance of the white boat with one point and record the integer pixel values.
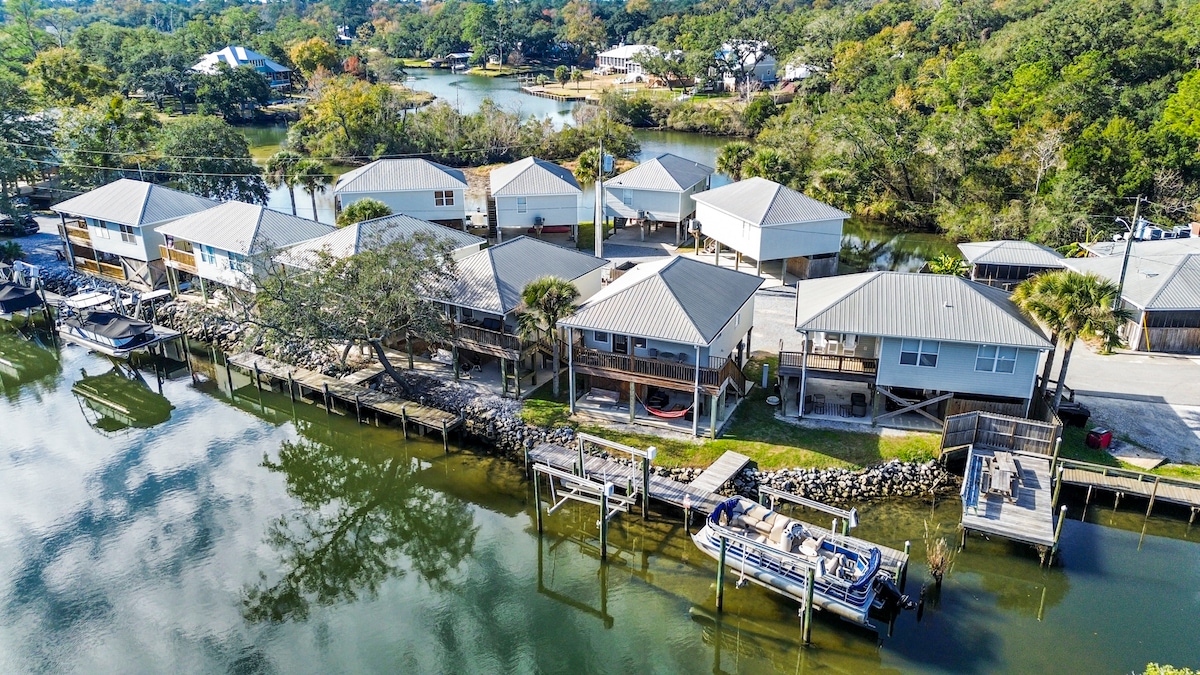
(777, 552)
(106, 332)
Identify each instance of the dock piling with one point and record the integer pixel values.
(358, 408)
(291, 387)
(604, 495)
(1057, 486)
(537, 501)
(445, 438)
(904, 565)
(257, 378)
(721, 575)
(404, 421)
(1062, 517)
(810, 582)
(328, 403)
(1153, 495)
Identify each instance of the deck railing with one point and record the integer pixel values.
(76, 230)
(490, 338)
(183, 260)
(858, 365)
(112, 271)
(712, 375)
(87, 265)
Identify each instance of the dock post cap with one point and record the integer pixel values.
(853, 518)
(608, 489)
(651, 453)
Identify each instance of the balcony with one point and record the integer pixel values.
(854, 367)
(76, 232)
(180, 260)
(106, 270)
(657, 371)
(491, 342)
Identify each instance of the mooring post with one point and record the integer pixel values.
(1057, 487)
(291, 387)
(358, 407)
(604, 495)
(904, 566)
(328, 403)
(404, 421)
(579, 445)
(1062, 517)
(1054, 459)
(651, 453)
(721, 575)
(228, 375)
(537, 501)
(257, 378)
(963, 544)
(445, 438)
(810, 582)
(187, 355)
(1153, 494)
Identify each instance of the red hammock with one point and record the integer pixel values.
(665, 414)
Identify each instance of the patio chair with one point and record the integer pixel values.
(681, 357)
(652, 353)
(858, 404)
(849, 345)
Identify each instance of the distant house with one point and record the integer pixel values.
(346, 241)
(1163, 293)
(797, 69)
(482, 300)
(110, 231)
(1004, 264)
(219, 244)
(659, 189)
(670, 337)
(909, 349)
(748, 61)
(766, 221)
(278, 75)
(415, 187)
(621, 59)
(534, 194)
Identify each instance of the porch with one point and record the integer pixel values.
(856, 402)
(608, 401)
(491, 337)
(666, 369)
(76, 232)
(184, 261)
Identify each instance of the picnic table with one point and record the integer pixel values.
(1005, 475)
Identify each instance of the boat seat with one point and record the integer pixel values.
(763, 526)
(838, 566)
(811, 546)
(758, 512)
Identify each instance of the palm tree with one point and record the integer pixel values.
(949, 264)
(1073, 306)
(281, 171)
(311, 174)
(544, 302)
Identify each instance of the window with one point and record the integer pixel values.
(101, 229)
(993, 359)
(922, 353)
(443, 197)
(601, 336)
(639, 343)
(522, 204)
(207, 255)
(627, 197)
(239, 263)
(128, 234)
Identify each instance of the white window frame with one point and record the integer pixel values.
(996, 359)
(443, 198)
(919, 353)
(102, 230)
(208, 255)
(129, 233)
(522, 204)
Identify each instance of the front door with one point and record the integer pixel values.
(620, 344)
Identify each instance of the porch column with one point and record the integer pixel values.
(749, 334)
(67, 241)
(517, 376)
(712, 428)
(632, 400)
(454, 359)
(696, 398)
(758, 267)
(203, 289)
(803, 374)
(504, 374)
(571, 369)
(737, 260)
(717, 254)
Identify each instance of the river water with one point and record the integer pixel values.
(865, 245)
(246, 534)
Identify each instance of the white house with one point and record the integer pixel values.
(763, 220)
(536, 195)
(353, 239)
(218, 244)
(659, 189)
(620, 59)
(278, 75)
(799, 69)
(415, 187)
(903, 348)
(670, 335)
(748, 61)
(110, 231)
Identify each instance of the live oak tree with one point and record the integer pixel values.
(99, 144)
(384, 293)
(206, 156)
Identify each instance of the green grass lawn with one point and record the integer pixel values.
(756, 433)
(1075, 447)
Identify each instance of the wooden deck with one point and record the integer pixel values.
(351, 394)
(1029, 519)
(1128, 482)
(720, 472)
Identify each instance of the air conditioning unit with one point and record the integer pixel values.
(538, 221)
(641, 215)
(1153, 233)
(1183, 232)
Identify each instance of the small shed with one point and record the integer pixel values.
(1006, 263)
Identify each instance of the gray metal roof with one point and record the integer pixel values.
(666, 172)
(1154, 247)
(1154, 282)
(399, 175)
(925, 306)
(676, 299)
(492, 280)
(350, 240)
(1011, 252)
(532, 176)
(243, 228)
(134, 202)
(766, 203)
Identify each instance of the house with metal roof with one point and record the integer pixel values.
(669, 339)
(533, 195)
(412, 186)
(898, 348)
(1162, 291)
(623, 59)
(278, 75)
(344, 242)
(483, 298)
(765, 221)
(657, 191)
(219, 244)
(110, 231)
(1006, 263)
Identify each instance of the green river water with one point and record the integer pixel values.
(246, 534)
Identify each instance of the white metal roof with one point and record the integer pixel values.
(666, 172)
(532, 176)
(625, 51)
(133, 202)
(492, 280)
(925, 306)
(400, 175)
(765, 203)
(243, 228)
(676, 299)
(234, 56)
(1011, 252)
(1153, 247)
(352, 239)
(1153, 282)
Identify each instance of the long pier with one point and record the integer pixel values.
(1128, 482)
(329, 391)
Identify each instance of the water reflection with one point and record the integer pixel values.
(868, 246)
(26, 362)
(120, 399)
(362, 519)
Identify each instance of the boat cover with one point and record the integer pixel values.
(111, 325)
(14, 298)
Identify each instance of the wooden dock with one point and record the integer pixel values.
(1027, 518)
(1128, 482)
(313, 386)
(720, 472)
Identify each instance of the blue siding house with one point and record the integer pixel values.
(899, 348)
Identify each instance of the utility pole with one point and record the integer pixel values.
(1133, 227)
(600, 200)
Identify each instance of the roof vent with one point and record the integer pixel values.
(946, 303)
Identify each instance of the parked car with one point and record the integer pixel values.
(19, 226)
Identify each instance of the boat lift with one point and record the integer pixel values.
(566, 486)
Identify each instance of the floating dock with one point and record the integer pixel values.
(1128, 482)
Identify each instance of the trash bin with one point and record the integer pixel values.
(1074, 414)
(1099, 438)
